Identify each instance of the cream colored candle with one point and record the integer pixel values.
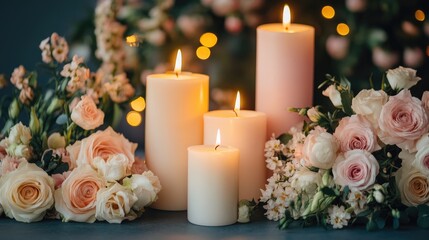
(245, 130)
(212, 185)
(284, 72)
(174, 121)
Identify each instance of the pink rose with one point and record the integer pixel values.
(9, 164)
(425, 100)
(320, 149)
(104, 145)
(403, 121)
(356, 132)
(86, 114)
(76, 199)
(356, 169)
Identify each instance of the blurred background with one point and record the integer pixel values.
(357, 39)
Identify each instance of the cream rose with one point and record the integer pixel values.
(368, 103)
(402, 78)
(76, 199)
(320, 148)
(19, 134)
(9, 164)
(145, 186)
(104, 145)
(26, 193)
(114, 204)
(86, 114)
(114, 168)
(334, 95)
(356, 169)
(413, 186)
(356, 132)
(403, 121)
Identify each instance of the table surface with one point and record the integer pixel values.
(155, 224)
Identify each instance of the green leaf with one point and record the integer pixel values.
(423, 218)
(364, 213)
(285, 138)
(346, 192)
(346, 101)
(371, 225)
(328, 191)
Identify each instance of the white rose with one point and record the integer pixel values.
(368, 103)
(306, 180)
(20, 134)
(145, 186)
(114, 168)
(86, 114)
(413, 186)
(402, 78)
(26, 193)
(114, 204)
(320, 148)
(334, 95)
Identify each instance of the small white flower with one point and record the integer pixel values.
(20, 134)
(402, 78)
(338, 217)
(273, 163)
(334, 95)
(357, 201)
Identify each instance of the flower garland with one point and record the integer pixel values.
(365, 162)
(59, 165)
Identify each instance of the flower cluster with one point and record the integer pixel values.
(67, 162)
(366, 160)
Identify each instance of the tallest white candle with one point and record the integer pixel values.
(176, 103)
(284, 72)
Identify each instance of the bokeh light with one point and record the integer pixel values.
(203, 53)
(208, 39)
(132, 40)
(343, 29)
(139, 104)
(134, 118)
(420, 15)
(328, 12)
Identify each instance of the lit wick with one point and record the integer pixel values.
(237, 104)
(217, 139)
(178, 66)
(286, 17)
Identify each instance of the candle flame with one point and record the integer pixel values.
(286, 16)
(178, 66)
(237, 104)
(217, 138)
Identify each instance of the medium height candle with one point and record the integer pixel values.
(176, 103)
(245, 130)
(284, 72)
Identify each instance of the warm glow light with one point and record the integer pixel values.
(178, 66)
(134, 118)
(132, 40)
(218, 137)
(208, 39)
(328, 12)
(203, 53)
(420, 15)
(343, 29)
(139, 104)
(286, 16)
(237, 103)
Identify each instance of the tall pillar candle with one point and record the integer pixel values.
(174, 121)
(284, 73)
(212, 185)
(246, 131)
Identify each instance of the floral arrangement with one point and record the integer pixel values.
(366, 161)
(67, 162)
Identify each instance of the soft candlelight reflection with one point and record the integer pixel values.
(286, 17)
(217, 138)
(178, 66)
(237, 104)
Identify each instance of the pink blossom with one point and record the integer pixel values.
(233, 24)
(191, 25)
(18, 79)
(26, 95)
(356, 169)
(383, 58)
(356, 5)
(60, 48)
(9, 164)
(403, 120)
(337, 46)
(356, 132)
(86, 114)
(224, 7)
(413, 57)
